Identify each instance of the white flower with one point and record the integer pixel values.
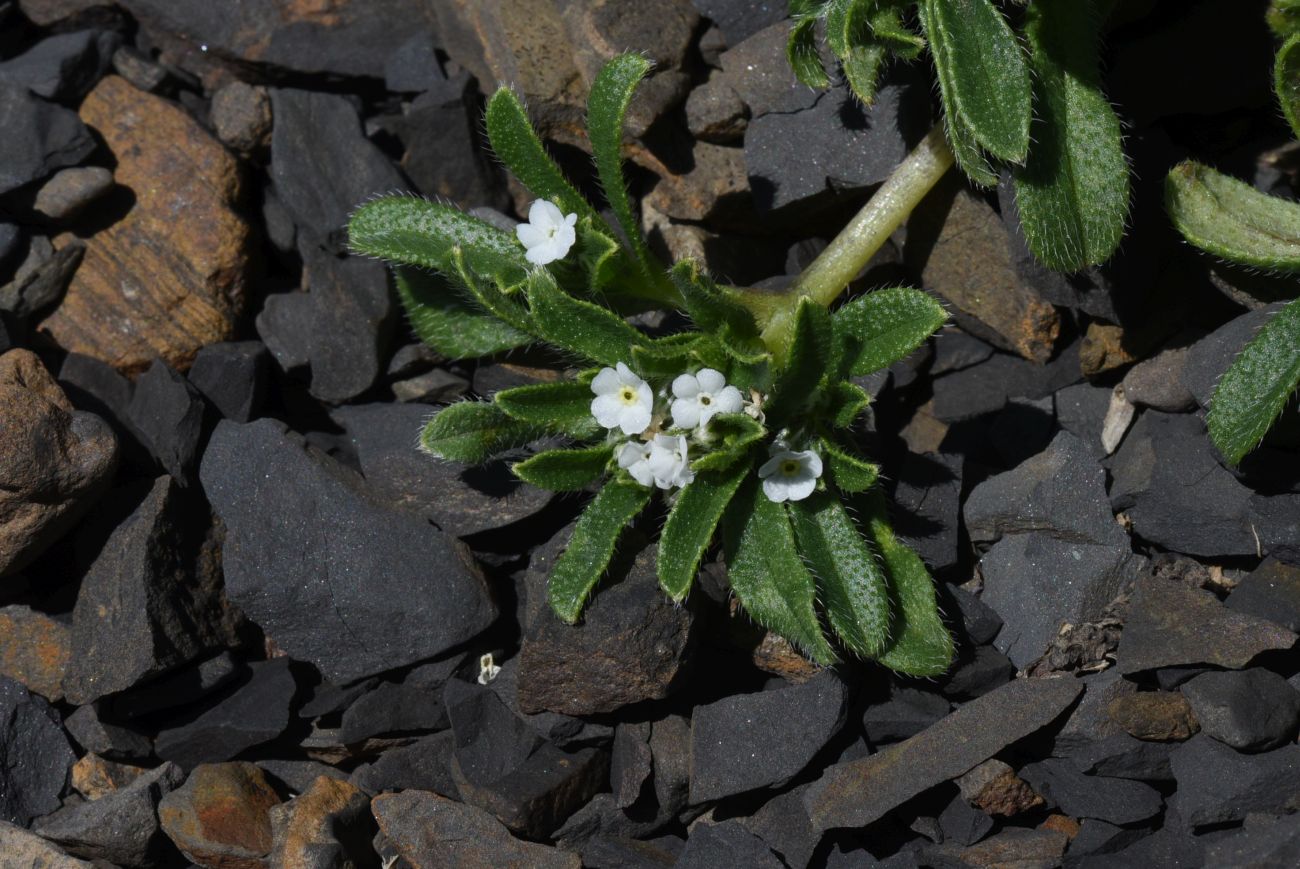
(634, 457)
(548, 234)
(622, 401)
(790, 475)
(700, 396)
(663, 462)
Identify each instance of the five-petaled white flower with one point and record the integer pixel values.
(548, 234)
(664, 462)
(790, 475)
(700, 396)
(623, 400)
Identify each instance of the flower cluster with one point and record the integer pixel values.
(654, 457)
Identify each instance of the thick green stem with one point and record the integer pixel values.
(830, 273)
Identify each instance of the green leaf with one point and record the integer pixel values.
(563, 407)
(852, 585)
(591, 547)
(989, 88)
(708, 305)
(589, 330)
(689, 527)
(607, 104)
(921, 645)
(850, 473)
(844, 403)
(1257, 385)
(416, 232)
(489, 295)
(961, 138)
(516, 143)
(767, 574)
(850, 36)
(1233, 220)
(1286, 81)
(1284, 17)
(801, 51)
(730, 437)
(876, 330)
(605, 264)
(810, 352)
(565, 470)
(473, 432)
(888, 26)
(665, 357)
(1073, 192)
(448, 322)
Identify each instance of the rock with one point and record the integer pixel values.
(670, 741)
(1209, 357)
(810, 156)
(979, 620)
(443, 156)
(961, 823)
(715, 112)
(1169, 625)
(994, 788)
(55, 460)
(961, 248)
(1217, 784)
(221, 816)
(927, 510)
(41, 281)
(427, 831)
(1083, 796)
(67, 193)
(740, 19)
(906, 713)
(179, 688)
(1018, 847)
(1081, 410)
(329, 825)
(1122, 756)
(633, 644)
(621, 852)
(34, 755)
(253, 713)
(121, 827)
(986, 387)
(322, 165)
(167, 413)
(460, 499)
(241, 116)
(34, 650)
(361, 587)
(1091, 721)
(711, 845)
(978, 674)
(94, 386)
(94, 777)
(168, 277)
(141, 72)
(1264, 841)
(411, 705)
(748, 741)
(147, 604)
(1271, 591)
(103, 738)
(433, 387)
(42, 137)
(1158, 716)
(413, 67)
(630, 762)
(1158, 382)
(855, 793)
(424, 765)
(714, 188)
(296, 776)
(783, 825)
(1250, 710)
(233, 377)
(20, 849)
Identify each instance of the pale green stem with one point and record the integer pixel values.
(828, 275)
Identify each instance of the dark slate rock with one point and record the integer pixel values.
(232, 376)
(322, 165)
(8, 335)
(1158, 382)
(1090, 720)
(412, 703)
(328, 699)
(1122, 756)
(803, 157)
(740, 19)
(1171, 845)
(337, 577)
(763, 85)
(461, 500)
(424, 765)
(105, 738)
(1209, 357)
(955, 350)
(255, 712)
(167, 413)
(413, 66)
(906, 713)
(438, 386)
(984, 670)
(121, 827)
(297, 775)
(64, 67)
(40, 281)
(1250, 710)
(1022, 429)
(178, 688)
(1217, 784)
(724, 844)
(986, 387)
(980, 621)
(35, 756)
(749, 741)
(783, 825)
(1099, 837)
(443, 156)
(1170, 624)
(859, 792)
(1081, 410)
(630, 762)
(963, 823)
(1262, 842)
(1090, 796)
(40, 137)
(148, 603)
(11, 245)
(565, 731)
(1271, 591)
(927, 509)
(1014, 846)
(621, 852)
(95, 386)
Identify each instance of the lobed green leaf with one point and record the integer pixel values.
(473, 432)
(845, 402)
(586, 558)
(690, 526)
(876, 330)
(565, 470)
(848, 472)
(563, 407)
(448, 322)
(1233, 220)
(1256, 387)
(589, 330)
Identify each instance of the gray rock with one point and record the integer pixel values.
(35, 757)
(240, 115)
(858, 792)
(41, 137)
(1263, 841)
(21, 849)
(1158, 382)
(232, 376)
(1081, 410)
(141, 72)
(1217, 784)
(985, 670)
(443, 156)
(1092, 796)
(1123, 756)
(749, 741)
(621, 852)
(752, 67)
(740, 19)
(962, 823)
(715, 112)
(980, 620)
(63, 67)
(42, 279)
(985, 388)
(121, 827)
(167, 413)
(1099, 837)
(1271, 591)
(432, 387)
(907, 712)
(106, 739)
(178, 688)
(298, 775)
(411, 705)
(1250, 710)
(413, 66)
(1209, 357)
(1091, 721)
(783, 825)
(424, 765)
(927, 509)
(727, 843)
(69, 191)
(321, 564)
(630, 762)
(1015, 846)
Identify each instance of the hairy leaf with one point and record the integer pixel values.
(690, 526)
(966, 150)
(708, 305)
(591, 547)
(845, 401)
(796, 386)
(876, 330)
(563, 407)
(565, 470)
(515, 142)
(1233, 220)
(730, 437)
(489, 295)
(850, 473)
(850, 579)
(665, 357)
(448, 322)
(850, 36)
(589, 330)
(801, 51)
(1073, 192)
(1286, 81)
(1257, 385)
(767, 574)
(473, 432)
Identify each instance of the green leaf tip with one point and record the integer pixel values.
(1258, 384)
(1231, 219)
(591, 547)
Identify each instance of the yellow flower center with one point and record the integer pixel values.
(627, 395)
(789, 467)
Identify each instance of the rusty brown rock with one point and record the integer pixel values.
(994, 788)
(715, 186)
(168, 277)
(53, 460)
(43, 13)
(328, 824)
(34, 649)
(1156, 716)
(1061, 824)
(220, 818)
(1103, 349)
(241, 116)
(94, 777)
(20, 849)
